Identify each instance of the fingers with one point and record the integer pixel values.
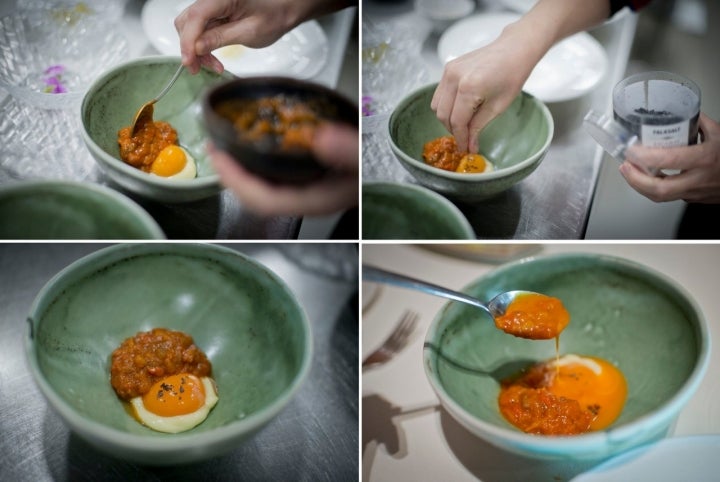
(444, 99)
(709, 129)
(328, 195)
(190, 25)
(686, 185)
(681, 158)
(212, 62)
(337, 146)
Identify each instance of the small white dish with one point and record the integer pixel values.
(442, 13)
(300, 53)
(523, 6)
(572, 68)
(682, 458)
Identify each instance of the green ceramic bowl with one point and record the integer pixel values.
(623, 312)
(239, 313)
(111, 103)
(71, 210)
(515, 142)
(406, 211)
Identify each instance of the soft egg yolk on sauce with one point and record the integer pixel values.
(175, 395)
(566, 397)
(170, 161)
(596, 384)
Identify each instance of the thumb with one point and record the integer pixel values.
(336, 145)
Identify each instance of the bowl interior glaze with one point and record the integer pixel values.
(239, 313)
(523, 131)
(620, 311)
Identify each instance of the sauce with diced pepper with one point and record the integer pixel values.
(148, 357)
(443, 153)
(142, 149)
(278, 122)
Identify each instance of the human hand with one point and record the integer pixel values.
(210, 24)
(335, 145)
(478, 86)
(699, 179)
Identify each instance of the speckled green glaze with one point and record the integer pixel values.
(406, 211)
(111, 103)
(71, 210)
(515, 142)
(620, 311)
(238, 312)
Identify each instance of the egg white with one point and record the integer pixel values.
(178, 423)
(189, 171)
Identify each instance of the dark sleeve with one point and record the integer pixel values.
(616, 5)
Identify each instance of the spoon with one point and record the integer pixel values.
(496, 307)
(145, 113)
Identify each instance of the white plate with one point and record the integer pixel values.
(569, 70)
(370, 292)
(673, 459)
(300, 53)
(523, 6)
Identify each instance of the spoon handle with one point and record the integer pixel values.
(172, 81)
(378, 275)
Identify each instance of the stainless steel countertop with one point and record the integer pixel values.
(219, 217)
(314, 438)
(554, 201)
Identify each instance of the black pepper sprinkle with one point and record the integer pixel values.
(160, 394)
(182, 389)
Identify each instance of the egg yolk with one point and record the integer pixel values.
(175, 395)
(534, 316)
(472, 163)
(603, 393)
(170, 161)
(572, 396)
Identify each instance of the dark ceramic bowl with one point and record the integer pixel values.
(263, 160)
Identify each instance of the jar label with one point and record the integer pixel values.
(668, 135)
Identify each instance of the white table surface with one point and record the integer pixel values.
(408, 436)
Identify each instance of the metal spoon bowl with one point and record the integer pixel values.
(495, 307)
(145, 113)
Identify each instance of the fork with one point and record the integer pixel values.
(397, 340)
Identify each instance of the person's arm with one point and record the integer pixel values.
(210, 24)
(480, 85)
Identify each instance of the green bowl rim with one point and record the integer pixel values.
(149, 225)
(588, 442)
(176, 185)
(432, 197)
(470, 177)
(181, 441)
